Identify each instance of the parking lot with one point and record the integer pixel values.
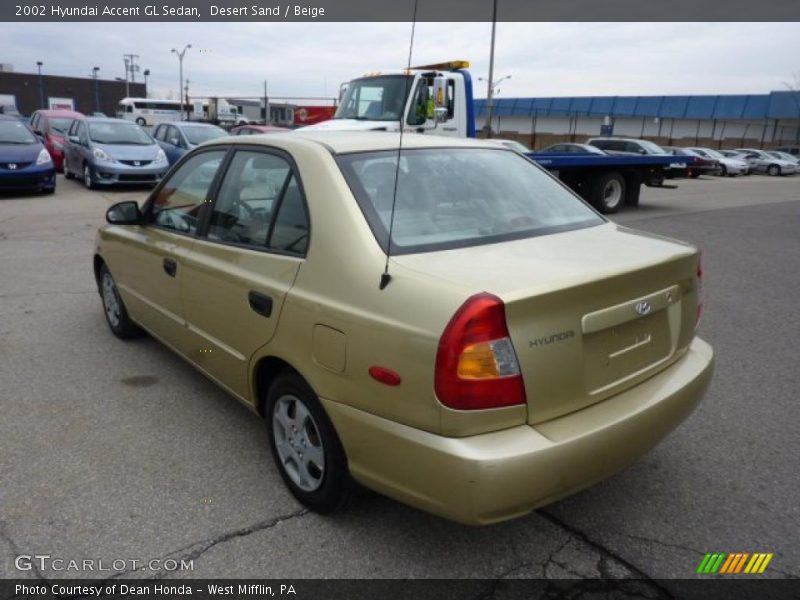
(113, 450)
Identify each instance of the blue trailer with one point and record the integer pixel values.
(607, 182)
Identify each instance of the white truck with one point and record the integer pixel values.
(437, 99)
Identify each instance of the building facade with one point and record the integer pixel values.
(722, 121)
(28, 92)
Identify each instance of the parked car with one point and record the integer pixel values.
(493, 364)
(634, 147)
(176, 139)
(111, 151)
(257, 129)
(784, 156)
(571, 148)
(696, 164)
(52, 126)
(793, 150)
(761, 162)
(25, 164)
(728, 165)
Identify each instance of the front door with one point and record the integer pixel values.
(156, 251)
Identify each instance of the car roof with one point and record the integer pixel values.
(188, 124)
(60, 113)
(345, 142)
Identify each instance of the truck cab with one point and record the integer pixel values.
(433, 99)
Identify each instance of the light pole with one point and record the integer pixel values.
(41, 84)
(180, 56)
(490, 94)
(146, 92)
(496, 86)
(96, 89)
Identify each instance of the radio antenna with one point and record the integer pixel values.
(385, 277)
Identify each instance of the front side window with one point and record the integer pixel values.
(181, 201)
(159, 133)
(458, 197)
(260, 204)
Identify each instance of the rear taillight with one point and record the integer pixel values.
(476, 365)
(699, 291)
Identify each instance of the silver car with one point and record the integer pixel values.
(761, 162)
(105, 151)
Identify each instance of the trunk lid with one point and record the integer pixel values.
(590, 312)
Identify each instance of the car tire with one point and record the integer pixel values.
(608, 192)
(88, 180)
(68, 174)
(773, 170)
(114, 309)
(723, 171)
(140, 122)
(304, 444)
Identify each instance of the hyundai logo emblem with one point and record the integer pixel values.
(136, 163)
(642, 307)
(12, 166)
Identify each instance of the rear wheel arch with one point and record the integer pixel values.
(266, 371)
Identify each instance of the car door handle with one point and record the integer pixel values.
(260, 303)
(170, 266)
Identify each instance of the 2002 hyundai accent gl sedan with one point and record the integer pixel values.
(522, 349)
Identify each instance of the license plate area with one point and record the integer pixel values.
(623, 351)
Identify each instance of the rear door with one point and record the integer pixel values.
(239, 271)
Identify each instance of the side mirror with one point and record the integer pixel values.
(124, 213)
(74, 139)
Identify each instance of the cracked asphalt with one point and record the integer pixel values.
(113, 450)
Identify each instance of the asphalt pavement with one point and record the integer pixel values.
(121, 451)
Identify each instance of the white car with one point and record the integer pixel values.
(762, 162)
(730, 166)
(784, 156)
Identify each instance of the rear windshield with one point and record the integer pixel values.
(14, 132)
(121, 132)
(458, 197)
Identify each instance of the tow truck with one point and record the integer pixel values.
(437, 99)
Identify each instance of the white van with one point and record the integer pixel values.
(149, 111)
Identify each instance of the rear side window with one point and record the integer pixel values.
(458, 197)
(181, 201)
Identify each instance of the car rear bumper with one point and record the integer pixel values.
(504, 474)
(32, 178)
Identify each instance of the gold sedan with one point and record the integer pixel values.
(514, 347)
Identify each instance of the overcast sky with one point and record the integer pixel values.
(312, 59)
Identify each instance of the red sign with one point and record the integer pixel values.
(308, 115)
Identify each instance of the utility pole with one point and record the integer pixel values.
(266, 104)
(131, 63)
(185, 100)
(490, 91)
(127, 80)
(146, 91)
(180, 56)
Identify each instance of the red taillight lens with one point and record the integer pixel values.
(476, 366)
(699, 292)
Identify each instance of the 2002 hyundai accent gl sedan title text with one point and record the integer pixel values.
(524, 348)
